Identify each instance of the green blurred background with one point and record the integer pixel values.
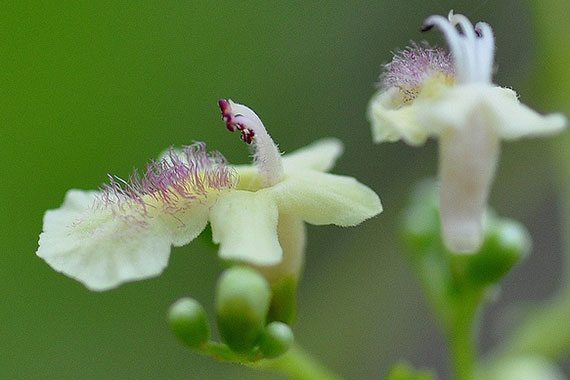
(90, 88)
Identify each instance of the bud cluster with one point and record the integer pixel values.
(243, 299)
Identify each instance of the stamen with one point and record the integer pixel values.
(468, 39)
(233, 122)
(453, 39)
(266, 154)
(485, 50)
(472, 47)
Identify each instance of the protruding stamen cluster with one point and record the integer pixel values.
(235, 122)
(472, 47)
(188, 175)
(266, 154)
(409, 69)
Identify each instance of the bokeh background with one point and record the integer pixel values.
(90, 88)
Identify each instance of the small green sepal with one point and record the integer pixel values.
(189, 322)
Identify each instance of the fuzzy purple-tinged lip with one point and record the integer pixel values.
(412, 66)
(188, 175)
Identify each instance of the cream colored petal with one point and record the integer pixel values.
(322, 198)
(320, 155)
(497, 106)
(513, 120)
(391, 120)
(99, 248)
(452, 109)
(244, 223)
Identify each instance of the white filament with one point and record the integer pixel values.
(266, 155)
(473, 54)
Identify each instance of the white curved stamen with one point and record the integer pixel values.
(453, 40)
(468, 44)
(266, 154)
(485, 51)
(472, 49)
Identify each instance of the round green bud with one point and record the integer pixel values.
(506, 243)
(242, 303)
(189, 322)
(276, 340)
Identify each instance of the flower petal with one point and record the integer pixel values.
(322, 198)
(244, 223)
(98, 247)
(514, 120)
(185, 224)
(499, 107)
(392, 121)
(320, 155)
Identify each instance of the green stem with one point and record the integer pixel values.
(442, 277)
(462, 342)
(298, 365)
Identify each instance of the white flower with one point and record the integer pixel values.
(125, 231)
(428, 92)
(262, 222)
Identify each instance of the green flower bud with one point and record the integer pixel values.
(242, 303)
(284, 301)
(189, 322)
(506, 243)
(277, 338)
